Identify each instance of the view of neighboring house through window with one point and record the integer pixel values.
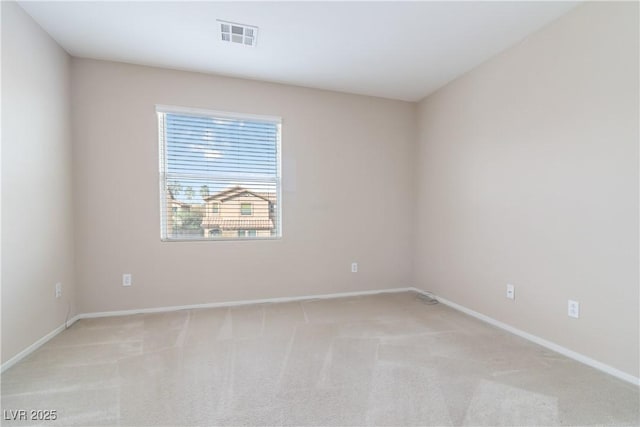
(219, 175)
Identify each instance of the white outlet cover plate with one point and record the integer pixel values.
(573, 309)
(126, 280)
(511, 291)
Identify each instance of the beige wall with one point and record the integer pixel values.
(37, 215)
(339, 153)
(528, 174)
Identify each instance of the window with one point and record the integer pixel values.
(219, 175)
(245, 209)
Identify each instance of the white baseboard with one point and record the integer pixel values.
(533, 338)
(540, 341)
(33, 347)
(24, 353)
(240, 302)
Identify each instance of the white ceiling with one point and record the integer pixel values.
(399, 50)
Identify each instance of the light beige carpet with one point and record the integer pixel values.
(376, 360)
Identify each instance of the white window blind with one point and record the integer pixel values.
(219, 175)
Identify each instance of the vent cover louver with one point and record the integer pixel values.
(238, 33)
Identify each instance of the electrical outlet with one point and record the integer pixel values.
(573, 309)
(58, 290)
(511, 291)
(126, 279)
(354, 267)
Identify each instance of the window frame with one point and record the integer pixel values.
(245, 233)
(242, 210)
(163, 167)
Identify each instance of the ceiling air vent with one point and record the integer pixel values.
(238, 33)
